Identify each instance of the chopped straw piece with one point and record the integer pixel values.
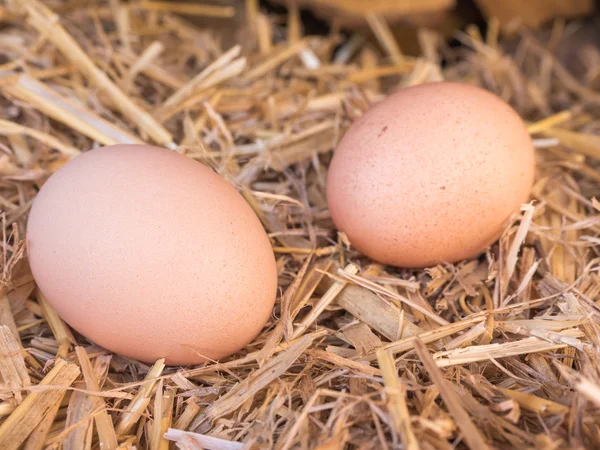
(487, 352)
(205, 79)
(386, 38)
(535, 404)
(130, 417)
(12, 363)
(186, 8)
(472, 435)
(61, 332)
(254, 382)
(47, 23)
(38, 436)
(163, 413)
(80, 414)
(202, 440)
(330, 296)
(396, 393)
(10, 129)
(73, 115)
(23, 420)
(6, 315)
(106, 431)
(279, 58)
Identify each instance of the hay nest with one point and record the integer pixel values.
(497, 352)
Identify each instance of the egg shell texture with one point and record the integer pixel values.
(151, 254)
(430, 174)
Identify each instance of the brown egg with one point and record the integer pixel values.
(430, 174)
(151, 254)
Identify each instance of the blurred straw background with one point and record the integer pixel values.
(498, 352)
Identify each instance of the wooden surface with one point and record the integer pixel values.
(352, 13)
(432, 13)
(399, 7)
(534, 12)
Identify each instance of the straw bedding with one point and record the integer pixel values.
(497, 352)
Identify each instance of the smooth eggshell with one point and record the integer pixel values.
(430, 174)
(151, 254)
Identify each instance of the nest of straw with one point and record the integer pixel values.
(497, 352)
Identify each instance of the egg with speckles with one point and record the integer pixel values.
(151, 255)
(430, 174)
